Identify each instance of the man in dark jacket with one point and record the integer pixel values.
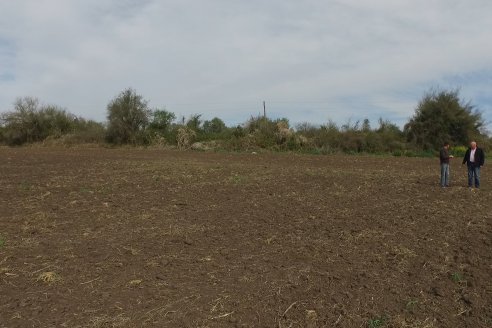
(474, 159)
(444, 159)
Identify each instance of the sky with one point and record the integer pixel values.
(310, 61)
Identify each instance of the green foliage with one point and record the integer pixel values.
(195, 122)
(85, 132)
(442, 116)
(411, 304)
(307, 129)
(262, 131)
(2, 241)
(356, 137)
(458, 151)
(22, 124)
(397, 153)
(31, 122)
(128, 116)
(214, 126)
(238, 132)
(161, 128)
(376, 323)
(457, 277)
(439, 116)
(161, 121)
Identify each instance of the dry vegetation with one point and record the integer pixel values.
(148, 238)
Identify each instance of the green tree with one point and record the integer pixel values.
(390, 137)
(56, 122)
(386, 126)
(442, 116)
(162, 120)
(128, 116)
(214, 126)
(195, 122)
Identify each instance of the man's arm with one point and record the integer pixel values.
(467, 154)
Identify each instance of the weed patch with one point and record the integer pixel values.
(457, 277)
(377, 322)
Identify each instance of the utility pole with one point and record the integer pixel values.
(264, 109)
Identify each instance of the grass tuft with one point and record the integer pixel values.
(49, 277)
(376, 323)
(457, 277)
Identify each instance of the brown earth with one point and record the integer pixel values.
(152, 238)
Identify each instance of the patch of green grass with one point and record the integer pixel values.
(237, 179)
(376, 323)
(105, 189)
(2, 241)
(457, 277)
(459, 151)
(25, 186)
(411, 304)
(85, 190)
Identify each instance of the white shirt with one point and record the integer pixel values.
(472, 155)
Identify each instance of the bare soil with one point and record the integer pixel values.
(153, 238)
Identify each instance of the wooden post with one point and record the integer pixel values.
(264, 109)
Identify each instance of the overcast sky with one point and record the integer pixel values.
(310, 60)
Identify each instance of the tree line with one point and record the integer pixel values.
(440, 116)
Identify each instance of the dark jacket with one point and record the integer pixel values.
(444, 155)
(479, 157)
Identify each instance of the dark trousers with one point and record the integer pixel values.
(473, 175)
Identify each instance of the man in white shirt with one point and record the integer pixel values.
(474, 159)
(472, 152)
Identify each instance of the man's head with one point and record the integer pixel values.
(473, 145)
(446, 145)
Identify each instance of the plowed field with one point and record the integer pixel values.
(154, 238)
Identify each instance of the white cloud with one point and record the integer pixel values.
(310, 60)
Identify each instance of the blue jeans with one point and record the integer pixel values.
(473, 172)
(444, 174)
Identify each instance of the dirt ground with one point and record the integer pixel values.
(154, 238)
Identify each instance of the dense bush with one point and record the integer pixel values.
(31, 122)
(162, 121)
(214, 126)
(442, 116)
(458, 151)
(128, 117)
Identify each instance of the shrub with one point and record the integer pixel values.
(268, 133)
(442, 116)
(161, 121)
(459, 151)
(31, 122)
(128, 116)
(215, 126)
